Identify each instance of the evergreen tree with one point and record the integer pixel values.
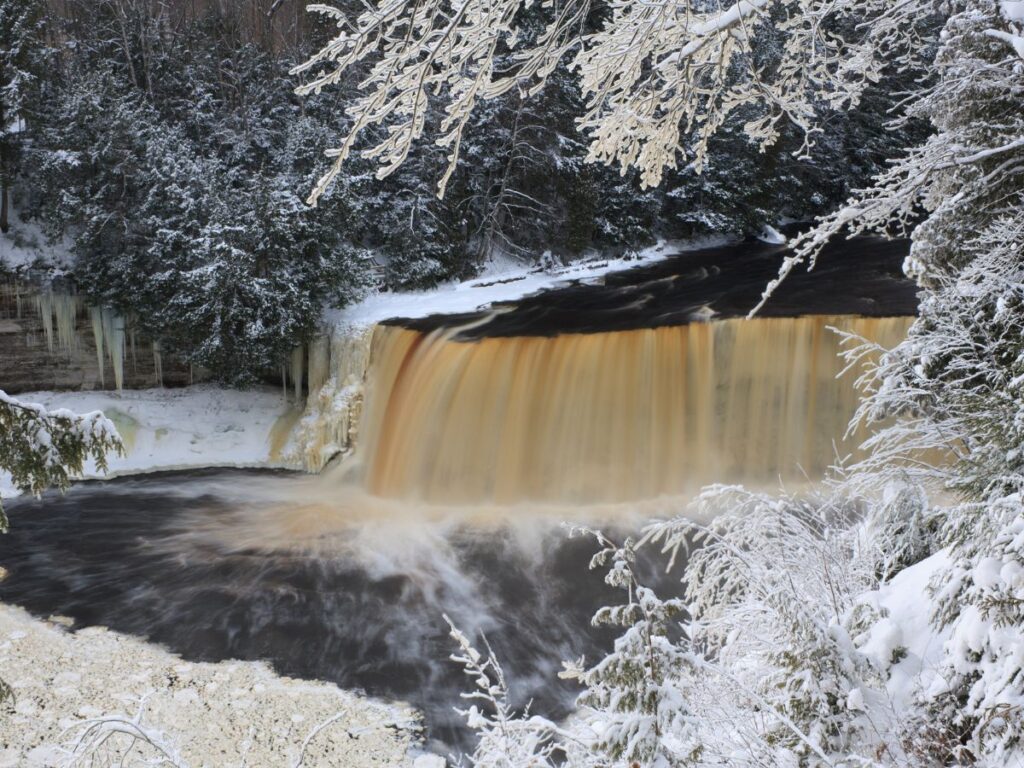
(21, 29)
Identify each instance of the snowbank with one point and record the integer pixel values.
(198, 426)
(500, 282)
(215, 715)
(905, 633)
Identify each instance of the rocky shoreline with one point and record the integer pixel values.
(225, 715)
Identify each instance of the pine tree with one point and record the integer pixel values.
(21, 33)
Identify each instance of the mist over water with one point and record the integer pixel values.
(240, 564)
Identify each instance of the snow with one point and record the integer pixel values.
(1014, 10)
(198, 426)
(500, 282)
(214, 715)
(26, 245)
(772, 236)
(15, 127)
(907, 607)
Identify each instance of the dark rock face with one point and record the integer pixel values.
(856, 277)
(27, 362)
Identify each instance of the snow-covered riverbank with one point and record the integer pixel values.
(198, 426)
(212, 715)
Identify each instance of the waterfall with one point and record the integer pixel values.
(603, 417)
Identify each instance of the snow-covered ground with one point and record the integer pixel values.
(198, 426)
(210, 715)
(501, 281)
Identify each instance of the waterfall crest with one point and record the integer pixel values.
(602, 417)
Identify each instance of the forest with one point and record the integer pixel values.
(163, 142)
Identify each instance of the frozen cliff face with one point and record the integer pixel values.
(50, 340)
(336, 374)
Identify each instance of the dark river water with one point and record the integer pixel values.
(221, 564)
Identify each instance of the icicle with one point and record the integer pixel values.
(158, 364)
(96, 316)
(296, 372)
(284, 382)
(319, 364)
(113, 329)
(329, 424)
(44, 305)
(65, 308)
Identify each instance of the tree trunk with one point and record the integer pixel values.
(4, 226)
(4, 183)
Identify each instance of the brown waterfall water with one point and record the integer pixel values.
(606, 417)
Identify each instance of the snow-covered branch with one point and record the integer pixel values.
(119, 740)
(653, 73)
(43, 449)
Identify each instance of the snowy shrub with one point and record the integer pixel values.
(760, 662)
(771, 584)
(981, 601)
(507, 739)
(902, 527)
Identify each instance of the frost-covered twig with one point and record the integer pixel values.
(99, 742)
(654, 74)
(506, 739)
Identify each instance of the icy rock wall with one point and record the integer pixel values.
(337, 367)
(51, 340)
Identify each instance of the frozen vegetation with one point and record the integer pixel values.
(879, 623)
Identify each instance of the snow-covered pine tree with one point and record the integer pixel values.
(21, 37)
(632, 703)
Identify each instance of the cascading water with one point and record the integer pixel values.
(605, 417)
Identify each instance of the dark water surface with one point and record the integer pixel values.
(171, 557)
(862, 276)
